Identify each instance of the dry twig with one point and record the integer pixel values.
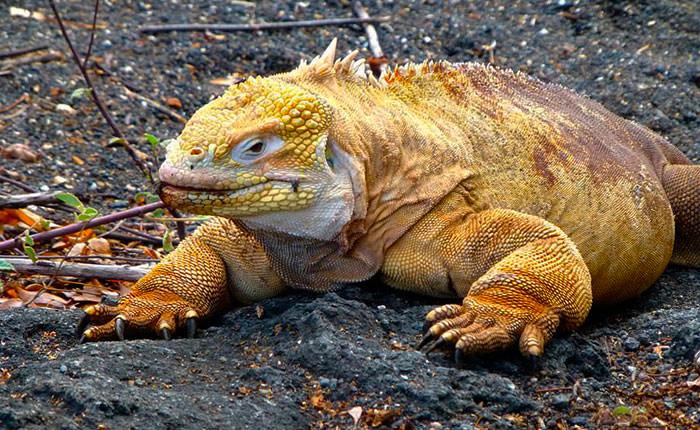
(80, 270)
(261, 25)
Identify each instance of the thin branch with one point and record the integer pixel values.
(98, 102)
(126, 238)
(260, 26)
(79, 270)
(92, 33)
(22, 51)
(149, 237)
(138, 260)
(74, 228)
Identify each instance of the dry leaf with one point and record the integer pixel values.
(99, 245)
(259, 311)
(355, 413)
(173, 102)
(45, 299)
(20, 151)
(77, 249)
(379, 417)
(10, 303)
(5, 376)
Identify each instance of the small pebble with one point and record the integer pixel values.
(561, 401)
(631, 344)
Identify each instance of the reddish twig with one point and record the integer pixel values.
(98, 101)
(92, 33)
(24, 97)
(260, 26)
(74, 228)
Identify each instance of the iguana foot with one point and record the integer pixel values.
(162, 313)
(481, 326)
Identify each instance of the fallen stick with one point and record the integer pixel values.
(260, 26)
(78, 270)
(375, 48)
(74, 228)
(23, 51)
(24, 200)
(154, 104)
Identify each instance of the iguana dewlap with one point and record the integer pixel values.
(525, 199)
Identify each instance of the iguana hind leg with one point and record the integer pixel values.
(217, 266)
(521, 278)
(682, 185)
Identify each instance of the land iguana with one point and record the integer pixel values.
(523, 199)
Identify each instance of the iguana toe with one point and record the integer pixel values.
(479, 328)
(146, 312)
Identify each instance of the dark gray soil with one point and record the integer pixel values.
(310, 359)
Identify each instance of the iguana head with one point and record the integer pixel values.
(261, 153)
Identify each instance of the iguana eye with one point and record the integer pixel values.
(254, 148)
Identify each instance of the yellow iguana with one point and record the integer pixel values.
(523, 199)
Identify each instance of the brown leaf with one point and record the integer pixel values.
(99, 245)
(77, 249)
(259, 311)
(379, 417)
(45, 299)
(10, 303)
(5, 376)
(20, 151)
(173, 102)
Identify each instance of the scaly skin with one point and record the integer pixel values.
(526, 200)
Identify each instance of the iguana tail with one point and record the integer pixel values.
(682, 185)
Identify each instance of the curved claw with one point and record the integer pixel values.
(533, 362)
(459, 357)
(190, 327)
(119, 327)
(166, 333)
(82, 325)
(438, 343)
(83, 339)
(427, 338)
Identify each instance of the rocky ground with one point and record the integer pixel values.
(317, 361)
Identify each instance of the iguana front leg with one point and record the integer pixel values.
(215, 268)
(521, 277)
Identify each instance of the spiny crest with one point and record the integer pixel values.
(349, 67)
(326, 65)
